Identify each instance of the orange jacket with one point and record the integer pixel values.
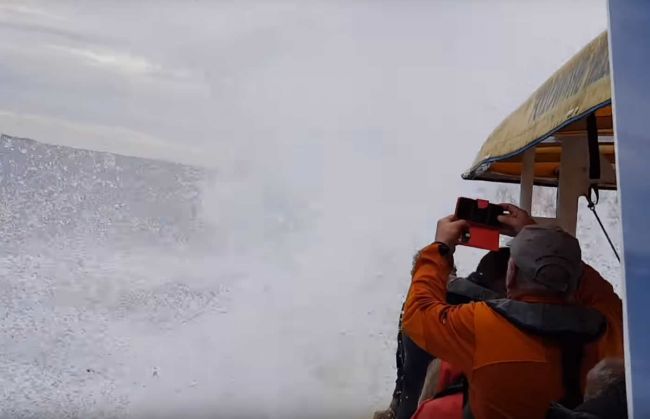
(597, 293)
(511, 373)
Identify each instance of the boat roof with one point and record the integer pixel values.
(555, 112)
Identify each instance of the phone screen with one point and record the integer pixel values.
(479, 212)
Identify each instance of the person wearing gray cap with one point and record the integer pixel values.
(522, 353)
(544, 261)
(592, 289)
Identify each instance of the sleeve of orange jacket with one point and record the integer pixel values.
(442, 330)
(597, 293)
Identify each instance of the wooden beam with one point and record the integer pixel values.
(573, 182)
(527, 180)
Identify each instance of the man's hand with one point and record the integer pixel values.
(516, 220)
(449, 231)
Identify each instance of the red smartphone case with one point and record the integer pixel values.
(483, 238)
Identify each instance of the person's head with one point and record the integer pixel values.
(486, 283)
(544, 261)
(492, 269)
(606, 373)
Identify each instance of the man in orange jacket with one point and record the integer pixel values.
(534, 348)
(418, 379)
(593, 291)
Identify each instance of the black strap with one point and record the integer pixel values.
(459, 386)
(572, 354)
(594, 151)
(467, 408)
(594, 173)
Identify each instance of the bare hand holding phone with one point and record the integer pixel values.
(514, 220)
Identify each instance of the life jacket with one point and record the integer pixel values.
(451, 394)
(571, 327)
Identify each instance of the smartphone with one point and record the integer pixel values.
(479, 211)
(484, 223)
